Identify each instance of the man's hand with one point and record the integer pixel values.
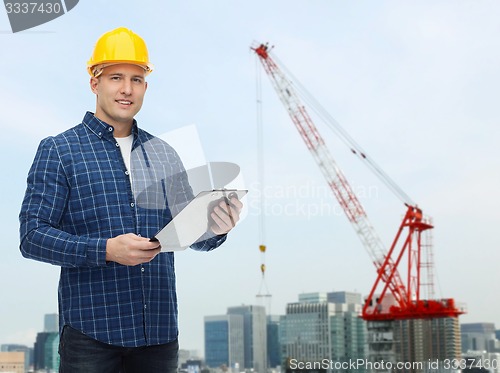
(130, 249)
(226, 215)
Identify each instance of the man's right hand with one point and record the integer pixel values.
(130, 249)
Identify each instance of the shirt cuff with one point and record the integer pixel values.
(209, 241)
(96, 252)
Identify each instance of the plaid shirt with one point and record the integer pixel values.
(79, 194)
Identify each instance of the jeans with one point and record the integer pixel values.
(82, 354)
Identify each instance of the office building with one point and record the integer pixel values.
(254, 336)
(479, 337)
(306, 331)
(313, 297)
(28, 353)
(344, 297)
(314, 329)
(46, 356)
(12, 362)
(273, 342)
(352, 332)
(224, 336)
(349, 334)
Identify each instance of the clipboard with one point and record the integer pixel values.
(192, 222)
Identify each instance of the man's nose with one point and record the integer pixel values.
(126, 87)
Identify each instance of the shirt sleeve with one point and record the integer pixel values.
(209, 242)
(42, 211)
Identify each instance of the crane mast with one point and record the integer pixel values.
(406, 302)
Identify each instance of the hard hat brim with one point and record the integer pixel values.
(96, 69)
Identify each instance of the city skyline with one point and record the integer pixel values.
(227, 333)
(415, 84)
(48, 321)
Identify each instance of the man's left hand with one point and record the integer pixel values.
(225, 215)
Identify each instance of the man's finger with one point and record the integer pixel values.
(221, 226)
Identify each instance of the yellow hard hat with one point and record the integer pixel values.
(120, 45)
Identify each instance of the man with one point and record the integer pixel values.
(117, 300)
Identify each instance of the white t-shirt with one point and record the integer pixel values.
(126, 149)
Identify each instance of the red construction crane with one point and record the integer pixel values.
(406, 248)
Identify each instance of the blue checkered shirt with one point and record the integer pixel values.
(78, 195)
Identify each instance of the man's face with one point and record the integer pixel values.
(120, 92)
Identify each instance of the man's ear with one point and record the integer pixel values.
(94, 82)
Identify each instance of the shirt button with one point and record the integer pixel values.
(117, 145)
(145, 306)
(132, 204)
(110, 129)
(143, 269)
(100, 133)
(126, 173)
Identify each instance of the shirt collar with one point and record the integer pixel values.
(101, 128)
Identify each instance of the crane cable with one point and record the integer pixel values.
(261, 183)
(335, 126)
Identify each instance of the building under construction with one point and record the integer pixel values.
(406, 323)
(407, 341)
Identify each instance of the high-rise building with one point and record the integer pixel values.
(314, 331)
(349, 334)
(224, 341)
(413, 340)
(51, 323)
(422, 340)
(254, 336)
(306, 331)
(273, 342)
(46, 351)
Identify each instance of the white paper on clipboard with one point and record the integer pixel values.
(192, 222)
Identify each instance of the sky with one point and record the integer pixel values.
(415, 83)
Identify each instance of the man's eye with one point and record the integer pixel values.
(115, 78)
(137, 80)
